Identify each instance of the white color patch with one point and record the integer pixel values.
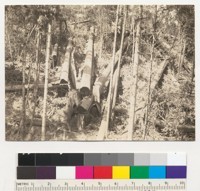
(176, 159)
(65, 172)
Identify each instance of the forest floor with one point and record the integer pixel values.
(56, 107)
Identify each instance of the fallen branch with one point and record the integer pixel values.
(15, 88)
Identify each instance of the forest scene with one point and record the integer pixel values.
(100, 72)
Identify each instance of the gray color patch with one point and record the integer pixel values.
(109, 159)
(158, 159)
(92, 159)
(125, 159)
(141, 159)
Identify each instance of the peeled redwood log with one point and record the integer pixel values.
(72, 76)
(15, 88)
(85, 105)
(100, 82)
(102, 130)
(87, 72)
(65, 70)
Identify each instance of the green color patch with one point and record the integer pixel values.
(139, 172)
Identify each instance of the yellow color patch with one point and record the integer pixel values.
(121, 172)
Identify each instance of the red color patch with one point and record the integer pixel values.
(103, 172)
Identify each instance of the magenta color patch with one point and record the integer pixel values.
(84, 172)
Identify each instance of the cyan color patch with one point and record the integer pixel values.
(157, 172)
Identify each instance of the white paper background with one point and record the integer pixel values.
(9, 150)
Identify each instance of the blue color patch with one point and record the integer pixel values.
(157, 172)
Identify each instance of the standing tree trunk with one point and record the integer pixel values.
(23, 120)
(149, 89)
(135, 61)
(46, 81)
(150, 75)
(103, 130)
(101, 32)
(36, 77)
(115, 84)
(182, 57)
(7, 35)
(193, 71)
(110, 95)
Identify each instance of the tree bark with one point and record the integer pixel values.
(135, 61)
(46, 82)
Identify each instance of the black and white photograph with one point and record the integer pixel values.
(100, 72)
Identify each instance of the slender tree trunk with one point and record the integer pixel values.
(28, 83)
(193, 71)
(46, 82)
(133, 38)
(8, 37)
(101, 44)
(182, 57)
(10, 47)
(115, 84)
(110, 95)
(36, 77)
(101, 34)
(135, 61)
(149, 90)
(150, 76)
(23, 121)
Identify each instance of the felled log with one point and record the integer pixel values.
(159, 75)
(169, 50)
(72, 75)
(85, 105)
(100, 82)
(36, 122)
(15, 88)
(87, 72)
(65, 71)
(102, 130)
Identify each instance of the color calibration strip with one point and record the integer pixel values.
(102, 185)
(102, 166)
(102, 172)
